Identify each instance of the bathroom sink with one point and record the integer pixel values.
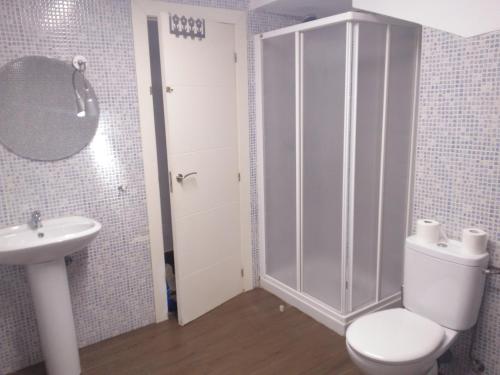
(54, 240)
(41, 246)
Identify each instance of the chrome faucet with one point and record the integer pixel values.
(36, 220)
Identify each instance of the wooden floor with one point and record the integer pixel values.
(246, 335)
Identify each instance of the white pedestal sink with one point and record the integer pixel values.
(42, 251)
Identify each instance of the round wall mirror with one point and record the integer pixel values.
(48, 110)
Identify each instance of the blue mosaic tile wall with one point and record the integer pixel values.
(111, 282)
(457, 170)
(226, 4)
(458, 162)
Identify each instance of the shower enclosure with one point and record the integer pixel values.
(336, 112)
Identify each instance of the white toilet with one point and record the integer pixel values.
(442, 291)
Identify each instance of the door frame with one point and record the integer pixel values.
(141, 10)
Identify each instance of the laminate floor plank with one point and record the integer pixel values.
(247, 335)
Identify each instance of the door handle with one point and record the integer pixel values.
(180, 177)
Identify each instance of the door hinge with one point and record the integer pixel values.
(242, 272)
(170, 181)
(239, 176)
(150, 90)
(347, 284)
(235, 57)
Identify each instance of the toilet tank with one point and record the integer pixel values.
(443, 282)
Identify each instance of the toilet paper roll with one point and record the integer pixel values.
(474, 240)
(428, 231)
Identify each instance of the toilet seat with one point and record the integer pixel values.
(394, 336)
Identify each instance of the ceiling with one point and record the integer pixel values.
(462, 17)
(303, 8)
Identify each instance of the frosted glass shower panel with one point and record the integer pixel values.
(400, 96)
(337, 107)
(324, 68)
(368, 136)
(278, 84)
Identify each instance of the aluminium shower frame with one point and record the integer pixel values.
(332, 318)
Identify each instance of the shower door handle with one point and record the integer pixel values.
(180, 177)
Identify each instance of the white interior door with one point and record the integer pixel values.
(202, 138)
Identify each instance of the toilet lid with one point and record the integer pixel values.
(395, 335)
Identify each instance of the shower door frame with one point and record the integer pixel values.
(332, 318)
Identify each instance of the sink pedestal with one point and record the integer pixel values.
(42, 251)
(51, 298)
